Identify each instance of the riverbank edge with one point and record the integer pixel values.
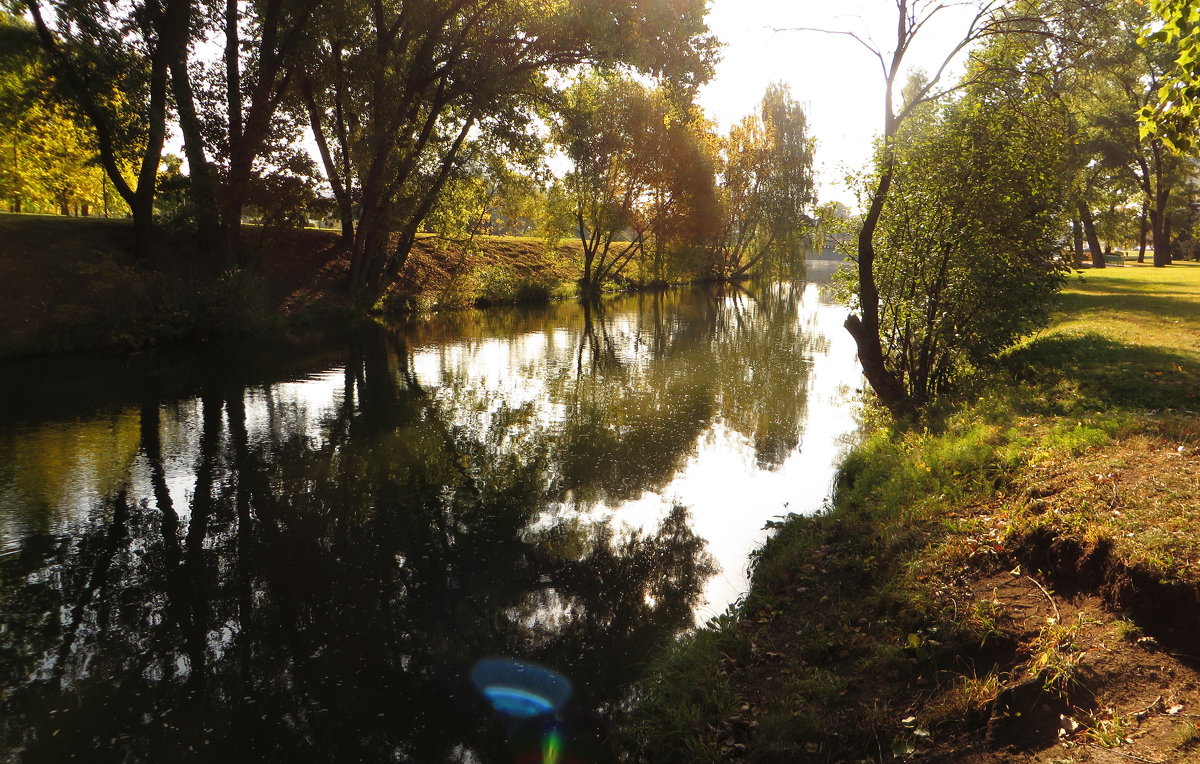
(1017, 580)
(74, 285)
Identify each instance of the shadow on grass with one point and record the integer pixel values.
(1111, 374)
(1132, 301)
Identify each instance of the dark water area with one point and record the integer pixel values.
(299, 552)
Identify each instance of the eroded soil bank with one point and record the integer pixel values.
(1016, 581)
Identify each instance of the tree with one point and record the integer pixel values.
(989, 19)
(233, 116)
(114, 60)
(47, 153)
(911, 17)
(1172, 116)
(675, 216)
(966, 248)
(636, 160)
(1116, 78)
(395, 89)
(766, 185)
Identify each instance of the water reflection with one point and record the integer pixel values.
(234, 566)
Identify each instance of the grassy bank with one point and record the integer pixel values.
(1019, 581)
(72, 283)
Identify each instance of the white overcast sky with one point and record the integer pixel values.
(839, 82)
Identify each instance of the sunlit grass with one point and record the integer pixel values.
(1088, 433)
(1126, 338)
(1137, 305)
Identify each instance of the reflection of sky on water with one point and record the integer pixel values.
(731, 497)
(334, 523)
(729, 494)
(480, 382)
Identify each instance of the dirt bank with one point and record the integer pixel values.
(72, 283)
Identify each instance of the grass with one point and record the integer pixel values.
(1127, 338)
(73, 283)
(1086, 434)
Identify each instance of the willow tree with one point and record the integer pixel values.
(766, 192)
(396, 88)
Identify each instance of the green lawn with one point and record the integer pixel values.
(1126, 337)
(1137, 305)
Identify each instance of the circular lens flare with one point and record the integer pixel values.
(517, 702)
(521, 690)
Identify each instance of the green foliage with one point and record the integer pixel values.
(767, 188)
(640, 175)
(900, 473)
(440, 77)
(684, 694)
(966, 257)
(48, 155)
(915, 510)
(502, 285)
(1173, 117)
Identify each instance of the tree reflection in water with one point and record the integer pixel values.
(320, 593)
(325, 599)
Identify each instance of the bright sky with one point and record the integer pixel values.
(837, 80)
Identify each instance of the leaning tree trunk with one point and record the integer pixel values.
(888, 385)
(202, 184)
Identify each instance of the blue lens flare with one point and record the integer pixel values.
(521, 690)
(519, 703)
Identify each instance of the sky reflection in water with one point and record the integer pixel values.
(301, 554)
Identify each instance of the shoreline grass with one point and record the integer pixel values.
(74, 284)
(917, 615)
(86, 292)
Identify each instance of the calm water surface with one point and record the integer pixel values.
(298, 553)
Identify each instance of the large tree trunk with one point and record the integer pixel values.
(1158, 215)
(142, 212)
(1089, 231)
(1158, 234)
(201, 178)
(1168, 252)
(369, 250)
(341, 194)
(238, 167)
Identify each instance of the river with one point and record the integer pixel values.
(297, 552)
